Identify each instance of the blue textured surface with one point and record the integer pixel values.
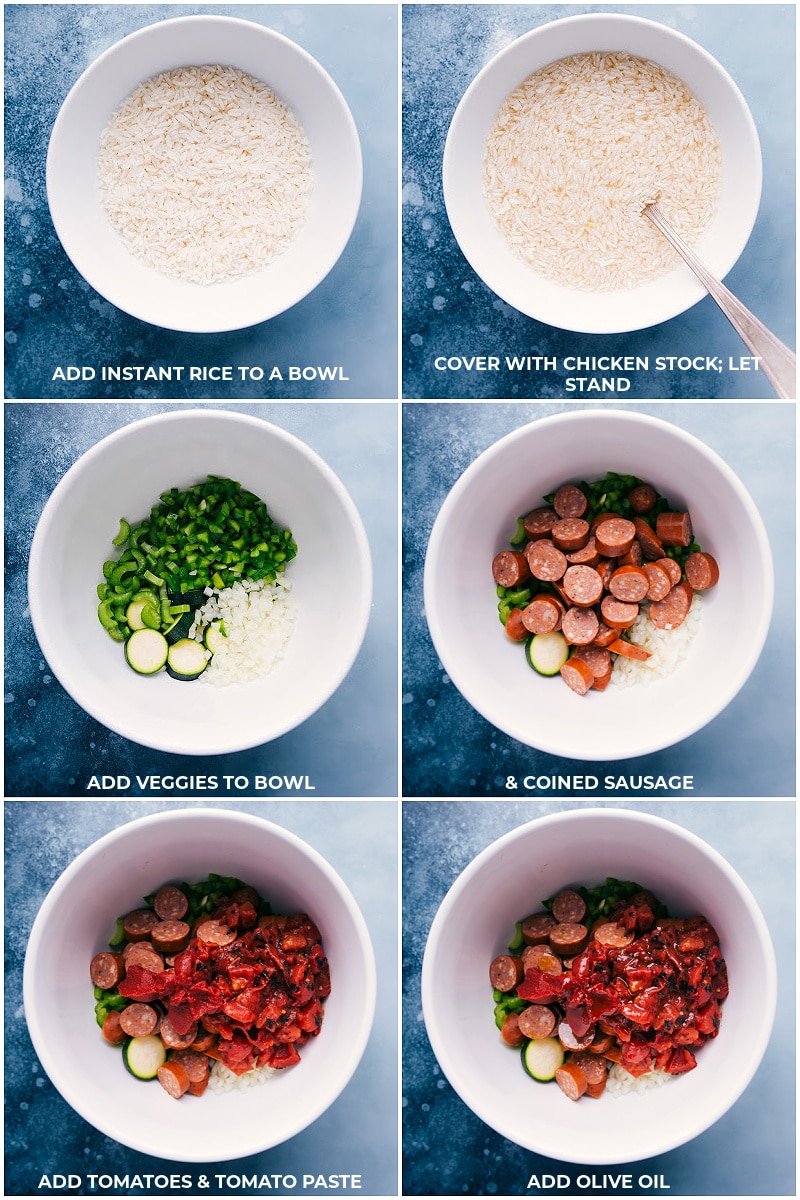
(348, 747)
(450, 750)
(448, 1151)
(357, 1135)
(54, 318)
(448, 310)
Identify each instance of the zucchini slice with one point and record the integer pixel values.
(180, 627)
(542, 1057)
(146, 651)
(186, 659)
(144, 1055)
(214, 636)
(547, 652)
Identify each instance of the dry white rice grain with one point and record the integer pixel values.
(578, 149)
(205, 173)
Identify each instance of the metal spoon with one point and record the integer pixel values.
(777, 361)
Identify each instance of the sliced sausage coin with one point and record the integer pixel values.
(579, 626)
(569, 907)
(614, 536)
(578, 676)
(139, 1020)
(702, 570)
(537, 1021)
(545, 560)
(674, 528)
(107, 969)
(509, 569)
(630, 584)
(569, 501)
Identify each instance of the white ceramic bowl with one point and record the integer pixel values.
(486, 248)
(480, 514)
(123, 476)
(509, 880)
(109, 879)
(95, 247)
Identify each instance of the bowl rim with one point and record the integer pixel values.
(655, 825)
(218, 323)
(360, 614)
(691, 292)
(357, 1043)
(436, 619)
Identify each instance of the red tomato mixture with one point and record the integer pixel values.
(260, 989)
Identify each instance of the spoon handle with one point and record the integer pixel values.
(778, 362)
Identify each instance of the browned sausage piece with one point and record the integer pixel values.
(215, 932)
(569, 501)
(205, 1041)
(583, 586)
(536, 928)
(650, 542)
(606, 516)
(578, 676)
(247, 895)
(588, 556)
(511, 1032)
(612, 934)
(138, 1020)
(674, 528)
(570, 1040)
(538, 523)
(509, 569)
(568, 938)
(170, 937)
(197, 1089)
(601, 682)
(634, 557)
(605, 636)
(537, 1021)
(671, 612)
(594, 1068)
(605, 569)
(618, 614)
(595, 1090)
(170, 903)
(174, 1040)
(112, 1030)
(629, 584)
(658, 581)
(106, 969)
(173, 1079)
(599, 659)
(580, 625)
(531, 954)
(542, 615)
(569, 907)
(672, 568)
(644, 897)
(600, 1042)
(195, 1065)
(143, 955)
(549, 963)
(702, 570)
(572, 1081)
(514, 626)
(137, 924)
(505, 972)
(545, 560)
(629, 650)
(614, 536)
(570, 534)
(642, 498)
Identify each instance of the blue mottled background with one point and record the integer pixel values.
(448, 310)
(450, 750)
(54, 318)
(448, 1151)
(357, 1135)
(348, 747)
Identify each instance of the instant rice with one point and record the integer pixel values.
(205, 173)
(578, 149)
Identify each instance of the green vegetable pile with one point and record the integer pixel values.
(210, 535)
